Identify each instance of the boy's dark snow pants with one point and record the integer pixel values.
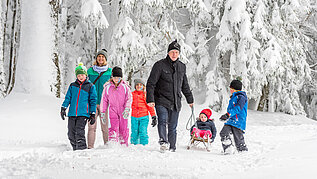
(237, 136)
(76, 132)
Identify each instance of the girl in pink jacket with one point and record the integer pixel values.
(115, 105)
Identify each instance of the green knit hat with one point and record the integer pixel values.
(81, 69)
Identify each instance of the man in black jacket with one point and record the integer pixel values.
(164, 86)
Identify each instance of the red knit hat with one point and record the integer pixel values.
(207, 112)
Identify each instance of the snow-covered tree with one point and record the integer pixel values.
(55, 9)
(260, 42)
(11, 40)
(143, 31)
(308, 95)
(291, 68)
(34, 73)
(80, 29)
(237, 51)
(270, 44)
(92, 14)
(2, 76)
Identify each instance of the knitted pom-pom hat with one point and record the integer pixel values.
(207, 112)
(81, 69)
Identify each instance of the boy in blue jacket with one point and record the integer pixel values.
(81, 97)
(235, 119)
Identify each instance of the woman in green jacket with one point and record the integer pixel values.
(100, 68)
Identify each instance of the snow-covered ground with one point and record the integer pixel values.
(34, 144)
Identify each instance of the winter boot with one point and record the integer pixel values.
(164, 146)
(242, 148)
(227, 145)
(229, 150)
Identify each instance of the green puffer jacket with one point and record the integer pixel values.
(102, 80)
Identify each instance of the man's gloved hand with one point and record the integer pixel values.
(154, 121)
(103, 118)
(63, 112)
(224, 117)
(92, 119)
(126, 113)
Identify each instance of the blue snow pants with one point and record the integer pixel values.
(139, 130)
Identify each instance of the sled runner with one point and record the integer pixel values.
(195, 141)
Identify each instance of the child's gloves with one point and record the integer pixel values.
(63, 112)
(103, 118)
(91, 119)
(224, 117)
(154, 121)
(126, 113)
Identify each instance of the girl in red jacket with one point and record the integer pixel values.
(140, 115)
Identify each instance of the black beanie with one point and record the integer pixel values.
(236, 84)
(174, 46)
(117, 72)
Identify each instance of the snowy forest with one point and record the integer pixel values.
(270, 44)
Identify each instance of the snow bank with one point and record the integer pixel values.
(34, 144)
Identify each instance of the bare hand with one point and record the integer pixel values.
(151, 104)
(191, 105)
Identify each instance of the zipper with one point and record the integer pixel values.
(78, 98)
(236, 114)
(137, 106)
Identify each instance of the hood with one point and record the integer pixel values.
(240, 93)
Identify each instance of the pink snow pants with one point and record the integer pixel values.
(201, 133)
(118, 131)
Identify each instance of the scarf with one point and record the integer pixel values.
(100, 69)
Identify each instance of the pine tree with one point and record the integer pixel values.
(143, 32)
(260, 41)
(308, 95)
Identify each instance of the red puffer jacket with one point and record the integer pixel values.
(139, 106)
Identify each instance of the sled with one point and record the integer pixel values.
(195, 141)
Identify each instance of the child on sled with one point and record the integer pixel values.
(204, 126)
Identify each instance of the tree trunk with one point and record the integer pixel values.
(129, 80)
(14, 44)
(263, 104)
(56, 87)
(96, 40)
(5, 23)
(2, 75)
(5, 27)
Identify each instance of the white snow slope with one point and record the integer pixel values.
(34, 144)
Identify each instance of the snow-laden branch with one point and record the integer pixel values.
(92, 13)
(313, 66)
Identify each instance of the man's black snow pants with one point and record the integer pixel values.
(76, 132)
(237, 136)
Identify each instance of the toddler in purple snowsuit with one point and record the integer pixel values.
(115, 105)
